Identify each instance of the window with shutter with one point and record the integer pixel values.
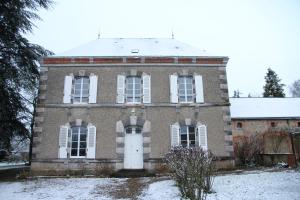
(133, 89)
(187, 136)
(78, 142)
(81, 89)
(185, 89)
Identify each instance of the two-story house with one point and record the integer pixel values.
(123, 103)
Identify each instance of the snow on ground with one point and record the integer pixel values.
(58, 188)
(255, 185)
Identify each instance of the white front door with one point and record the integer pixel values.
(133, 151)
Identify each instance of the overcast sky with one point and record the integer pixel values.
(254, 34)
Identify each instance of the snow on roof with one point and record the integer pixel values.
(265, 107)
(134, 47)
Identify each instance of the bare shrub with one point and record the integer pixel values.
(193, 170)
(248, 148)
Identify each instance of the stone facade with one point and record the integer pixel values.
(111, 118)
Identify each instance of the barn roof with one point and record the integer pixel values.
(134, 47)
(255, 108)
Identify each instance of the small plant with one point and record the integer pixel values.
(193, 170)
(248, 148)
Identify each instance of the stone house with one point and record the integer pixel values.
(123, 103)
(272, 117)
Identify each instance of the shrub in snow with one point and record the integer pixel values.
(193, 170)
(247, 149)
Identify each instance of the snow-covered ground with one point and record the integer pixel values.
(249, 185)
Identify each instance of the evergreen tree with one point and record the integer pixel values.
(18, 65)
(295, 89)
(273, 87)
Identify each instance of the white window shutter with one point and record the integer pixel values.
(173, 89)
(91, 142)
(202, 136)
(174, 128)
(146, 88)
(63, 142)
(68, 89)
(199, 89)
(93, 89)
(121, 89)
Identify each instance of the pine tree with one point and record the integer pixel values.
(18, 65)
(273, 87)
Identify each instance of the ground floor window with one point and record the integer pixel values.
(187, 136)
(78, 145)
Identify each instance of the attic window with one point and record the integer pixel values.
(134, 50)
(239, 125)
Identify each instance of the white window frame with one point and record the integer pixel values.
(81, 90)
(185, 90)
(134, 97)
(78, 143)
(188, 136)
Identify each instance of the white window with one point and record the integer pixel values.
(78, 142)
(81, 90)
(185, 89)
(187, 136)
(133, 89)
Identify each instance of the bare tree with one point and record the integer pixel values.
(295, 88)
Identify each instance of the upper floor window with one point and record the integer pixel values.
(186, 89)
(298, 124)
(80, 89)
(134, 89)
